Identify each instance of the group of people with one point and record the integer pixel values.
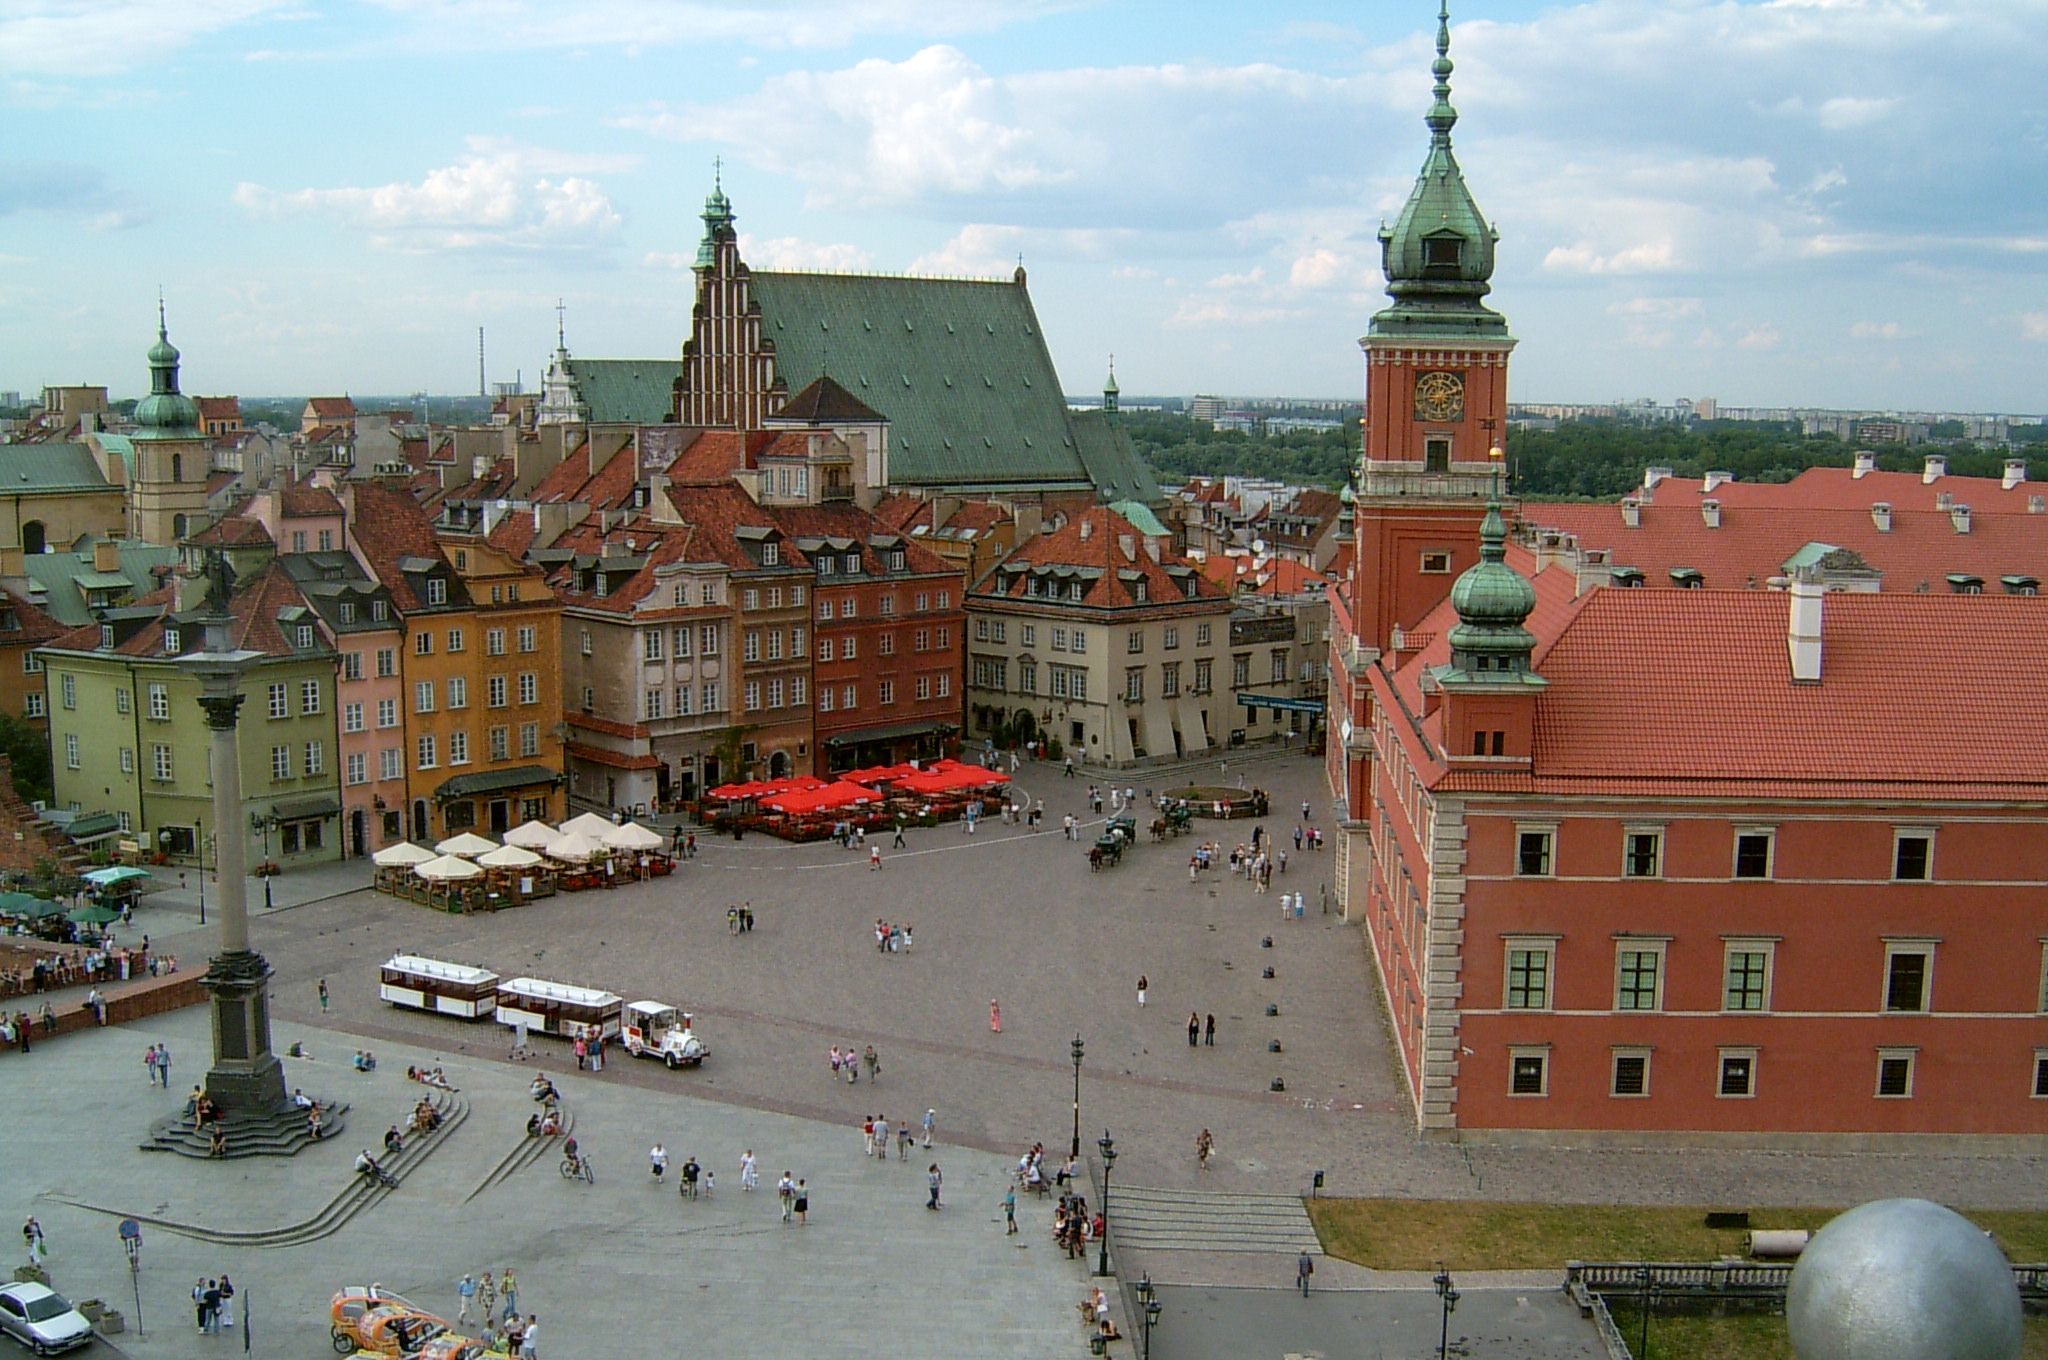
(691, 1178)
(484, 1296)
(739, 920)
(428, 1076)
(874, 1130)
(19, 1029)
(365, 1060)
(1200, 1032)
(892, 937)
(53, 972)
(213, 1304)
(850, 1062)
(1072, 1226)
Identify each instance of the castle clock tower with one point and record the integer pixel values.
(1436, 393)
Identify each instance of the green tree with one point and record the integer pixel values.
(28, 749)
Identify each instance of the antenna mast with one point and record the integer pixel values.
(482, 388)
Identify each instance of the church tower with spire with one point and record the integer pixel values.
(728, 378)
(170, 454)
(1436, 392)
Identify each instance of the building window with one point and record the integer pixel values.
(1631, 1072)
(32, 702)
(827, 649)
(529, 687)
(849, 697)
(387, 713)
(280, 762)
(316, 758)
(1134, 685)
(501, 743)
(1895, 1073)
(160, 762)
(1747, 976)
(707, 641)
(358, 768)
(309, 696)
(1169, 680)
(380, 610)
(751, 696)
(423, 643)
(428, 754)
(423, 697)
(797, 691)
(1134, 641)
(1529, 1071)
(1279, 667)
(456, 641)
(527, 642)
(494, 691)
(750, 646)
(529, 739)
(279, 697)
(70, 750)
(1027, 678)
(946, 688)
(824, 698)
(682, 642)
(885, 692)
(1738, 1074)
(31, 663)
(1642, 853)
(1639, 978)
(1528, 977)
(1241, 670)
(1169, 638)
(1533, 851)
(1753, 847)
(775, 693)
(656, 699)
(848, 608)
(707, 593)
(352, 665)
(1913, 854)
(390, 763)
(750, 600)
(437, 590)
(771, 556)
(1204, 675)
(1436, 563)
(127, 760)
(174, 642)
(387, 663)
(886, 644)
(650, 644)
(847, 648)
(494, 642)
(775, 644)
(2041, 1074)
(458, 691)
(887, 606)
(1202, 634)
(1908, 975)
(458, 748)
(712, 702)
(797, 638)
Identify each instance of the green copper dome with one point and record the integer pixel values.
(718, 217)
(1438, 255)
(166, 413)
(1492, 600)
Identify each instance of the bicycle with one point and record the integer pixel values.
(578, 1168)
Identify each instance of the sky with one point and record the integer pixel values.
(1834, 203)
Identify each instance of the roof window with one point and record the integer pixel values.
(1963, 584)
(1687, 578)
(1626, 576)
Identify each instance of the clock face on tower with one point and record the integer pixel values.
(1439, 396)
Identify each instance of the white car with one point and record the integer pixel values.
(42, 1319)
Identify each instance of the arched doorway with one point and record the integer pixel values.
(359, 833)
(33, 537)
(778, 765)
(419, 821)
(1024, 725)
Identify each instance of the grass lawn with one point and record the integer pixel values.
(1394, 1234)
(1748, 1338)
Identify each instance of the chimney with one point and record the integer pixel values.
(2015, 473)
(1935, 470)
(1087, 529)
(1654, 475)
(1714, 479)
(1803, 637)
(1153, 547)
(1881, 516)
(1960, 517)
(1631, 512)
(1944, 500)
(1866, 463)
(1128, 546)
(661, 508)
(106, 555)
(1710, 511)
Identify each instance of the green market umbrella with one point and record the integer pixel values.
(107, 878)
(22, 904)
(93, 916)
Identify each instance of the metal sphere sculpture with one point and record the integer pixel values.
(1903, 1279)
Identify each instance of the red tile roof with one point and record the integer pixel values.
(850, 521)
(618, 760)
(590, 722)
(713, 456)
(309, 502)
(1836, 488)
(255, 605)
(1102, 548)
(1921, 548)
(236, 531)
(903, 512)
(389, 524)
(34, 625)
(333, 408)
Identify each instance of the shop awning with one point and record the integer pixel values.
(297, 809)
(895, 733)
(96, 827)
(495, 781)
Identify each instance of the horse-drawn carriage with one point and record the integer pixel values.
(1175, 818)
(1117, 835)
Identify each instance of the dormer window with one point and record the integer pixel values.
(106, 636)
(852, 564)
(825, 564)
(347, 611)
(898, 560)
(303, 637)
(1141, 591)
(771, 554)
(437, 590)
(1442, 255)
(173, 643)
(379, 611)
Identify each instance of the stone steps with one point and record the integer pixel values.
(1180, 1220)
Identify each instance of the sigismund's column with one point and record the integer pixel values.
(246, 1077)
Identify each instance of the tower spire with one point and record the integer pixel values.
(1442, 117)
(561, 324)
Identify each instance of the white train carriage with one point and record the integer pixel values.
(559, 1008)
(424, 984)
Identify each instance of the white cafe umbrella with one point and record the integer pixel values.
(532, 836)
(632, 836)
(447, 868)
(403, 853)
(591, 825)
(573, 848)
(509, 857)
(468, 845)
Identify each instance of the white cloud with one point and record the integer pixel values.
(2034, 326)
(1875, 330)
(1759, 337)
(1321, 268)
(495, 201)
(1253, 279)
(1848, 112)
(637, 25)
(1646, 257)
(110, 37)
(979, 251)
(791, 252)
(1661, 307)
(1211, 311)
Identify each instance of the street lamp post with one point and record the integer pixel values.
(268, 822)
(1107, 1146)
(131, 1242)
(1648, 1295)
(1152, 1309)
(1449, 1294)
(1079, 1050)
(199, 847)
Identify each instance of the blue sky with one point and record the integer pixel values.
(1824, 202)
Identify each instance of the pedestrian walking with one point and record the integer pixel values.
(750, 1176)
(323, 996)
(1209, 1031)
(529, 1343)
(487, 1295)
(508, 1286)
(1205, 1148)
(211, 1302)
(900, 843)
(1297, 836)
(1304, 1266)
(803, 1203)
(32, 1238)
(582, 1052)
(995, 1017)
(785, 1190)
(1194, 1028)
(904, 1138)
(873, 1062)
(465, 1293)
(163, 1065)
(874, 858)
(1010, 1211)
(882, 1137)
(227, 1302)
(931, 1117)
(933, 1179)
(867, 1130)
(199, 1304)
(1143, 984)
(149, 1064)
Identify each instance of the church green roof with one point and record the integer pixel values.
(627, 391)
(958, 366)
(166, 413)
(52, 469)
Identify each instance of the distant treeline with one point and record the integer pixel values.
(1588, 459)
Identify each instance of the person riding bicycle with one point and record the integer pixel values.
(657, 1162)
(689, 1176)
(569, 1154)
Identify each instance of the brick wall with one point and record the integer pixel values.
(23, 839)
(126, 1002)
